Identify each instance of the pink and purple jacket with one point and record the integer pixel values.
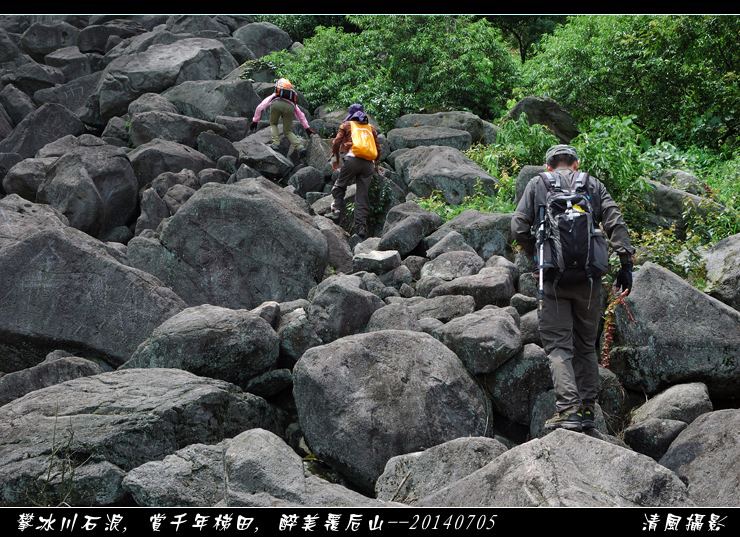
(300, 115)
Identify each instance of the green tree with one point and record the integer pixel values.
(524, 32)
(401, 64)
(301, 27)
(676, 74)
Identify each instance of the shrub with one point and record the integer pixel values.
(401, 64)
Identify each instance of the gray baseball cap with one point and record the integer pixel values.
(561, 150)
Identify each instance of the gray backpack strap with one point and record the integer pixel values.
(554, 183)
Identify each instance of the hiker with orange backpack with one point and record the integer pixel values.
(283, 105)
(357, 140)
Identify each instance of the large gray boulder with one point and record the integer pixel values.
(524, 177)
(42, 126)
(263, 471)
(70, 61)
(443, 308)
(57, 367)
(706, 456)
(296, 335)
(16, 103)
(540, 473)
(682, 402)
(426, 169)
(723, 271)
(157, 68)
(42, 38)
(428, 135)
(405, 227)
(72, 95)
(683, 181)
(666, 205)
(7, 161)
(6, 124)
(95, 37)
(456, 119)
(210, 341)
(208, 99)
(256, 152)
(153, 210)
(453, 264)
(483, 340)
(159, 156)
(412, 476)
(678, 335)
(25, 177)
(490, 286)
(547, 112)
(68, 291)
(653, 436)
(263, 38)
(377, 261)
(393, 317)
(236, 246)
(125, 419)
(488, 234)
(185, 130)
(400, 392)
(515, 385)
(195, 23)
(11, 53)
(340, 254)
(94, 187)
(341, 306)
(151, 102)
(31, 77)
(451, 242)
(190, 477)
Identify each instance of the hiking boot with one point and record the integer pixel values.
(587, 411)
(571, 420)
(275, 147)
(361, 231)
(333, 215)
(302, 153)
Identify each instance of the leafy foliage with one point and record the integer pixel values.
(723, 186)
(676, 74)
(404, 64)
(479, 201)
(518, 144)
(524, 32)
(302, 27)
(612, 149)
(663, 247)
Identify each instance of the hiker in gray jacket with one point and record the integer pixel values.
(570, 312)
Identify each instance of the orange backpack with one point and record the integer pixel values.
(363, 142)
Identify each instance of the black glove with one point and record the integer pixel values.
(624, 279)
(253, 126)
(309, 132)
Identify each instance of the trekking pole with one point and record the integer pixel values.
(540, 257)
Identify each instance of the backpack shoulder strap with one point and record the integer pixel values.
(579, 180)
(552, 181)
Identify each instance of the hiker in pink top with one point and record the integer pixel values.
(283, 105)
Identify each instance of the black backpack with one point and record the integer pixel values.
(574, 248)
(285, 92)
(289, 94)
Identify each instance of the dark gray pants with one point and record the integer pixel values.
(361, 171)
(569, 325)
